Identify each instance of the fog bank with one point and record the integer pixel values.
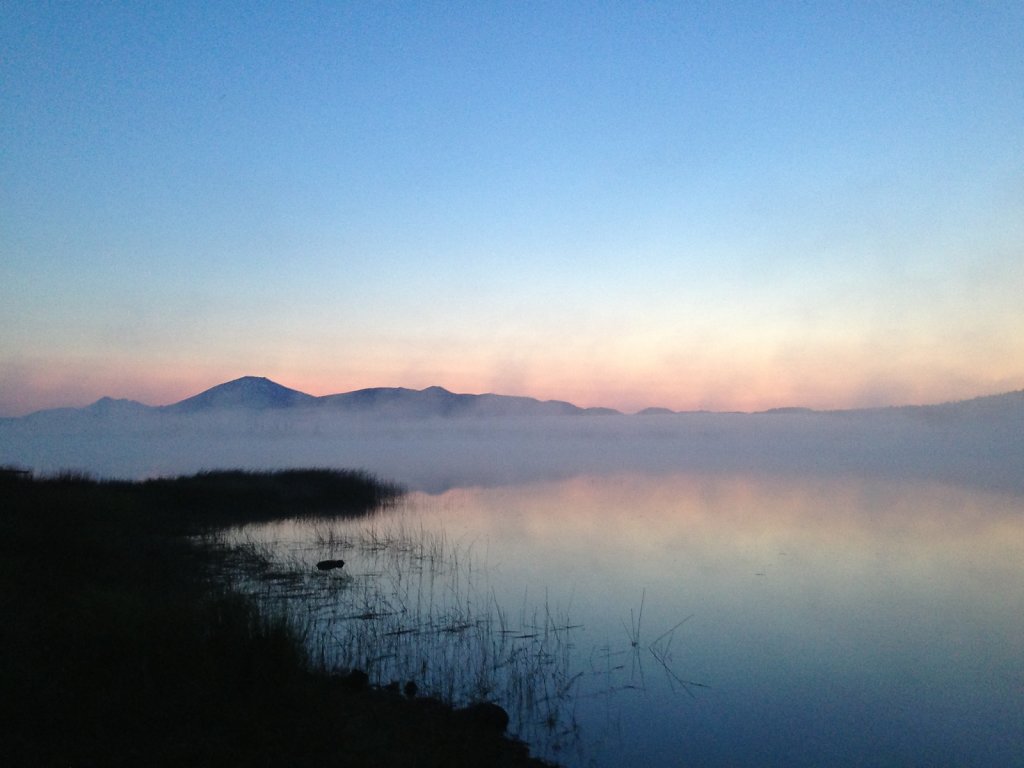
(978, 444)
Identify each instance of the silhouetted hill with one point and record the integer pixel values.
(255, 392)
(439, 402)
(986, 405)
(259, 393)
(1004, 406)
(106, 410)
(432, 401)
(998, 406)
(655, 412)
(106, 406)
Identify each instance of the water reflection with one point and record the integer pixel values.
(834, 621)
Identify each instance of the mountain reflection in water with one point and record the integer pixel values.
(728, 619)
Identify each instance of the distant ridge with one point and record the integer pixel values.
(438, 401)
(258, 393)
(984, 402)
(108, 405)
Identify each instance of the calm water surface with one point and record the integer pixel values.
(707, 619)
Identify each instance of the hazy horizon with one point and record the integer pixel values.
(435, 444)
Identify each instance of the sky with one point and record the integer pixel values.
(730, 206)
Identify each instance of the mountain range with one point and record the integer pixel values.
(258, 393)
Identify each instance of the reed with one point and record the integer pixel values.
(414, 605)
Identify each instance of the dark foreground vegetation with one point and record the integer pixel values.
(120, 647)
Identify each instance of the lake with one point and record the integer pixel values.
(704, 619)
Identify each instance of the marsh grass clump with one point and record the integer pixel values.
(231, 497)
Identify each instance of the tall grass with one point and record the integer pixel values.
(413, 605)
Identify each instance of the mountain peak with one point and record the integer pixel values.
(438, 390)
(245, 392)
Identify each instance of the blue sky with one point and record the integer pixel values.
(736, 205)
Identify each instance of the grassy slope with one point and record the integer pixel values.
(118, 649)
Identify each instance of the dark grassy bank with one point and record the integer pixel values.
(235, 497)
(119, 647)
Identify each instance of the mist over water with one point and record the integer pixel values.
(978, 446)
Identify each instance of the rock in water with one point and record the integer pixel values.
(330, 565)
